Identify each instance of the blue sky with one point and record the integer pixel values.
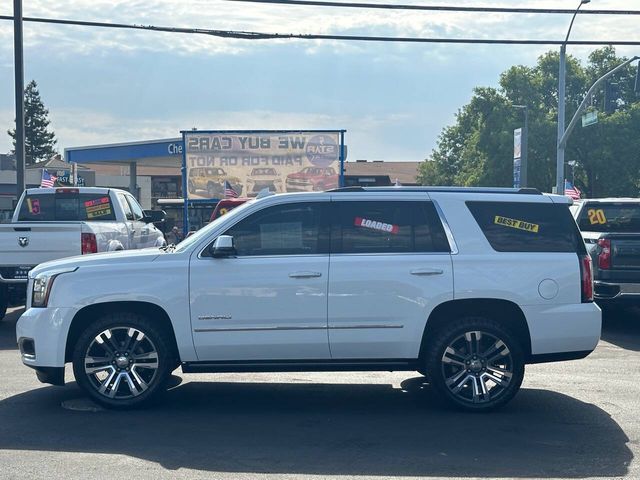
(104, 85)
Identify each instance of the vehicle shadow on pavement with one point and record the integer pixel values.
(622, 328)
(8, 330)
(302, 427)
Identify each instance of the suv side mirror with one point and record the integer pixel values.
(154, 216)
(222, 247)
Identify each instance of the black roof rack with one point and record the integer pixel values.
(527, 191)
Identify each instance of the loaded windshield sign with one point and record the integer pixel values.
(251, 162)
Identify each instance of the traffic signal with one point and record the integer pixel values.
(611, 95)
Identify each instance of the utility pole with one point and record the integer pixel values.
(561, 105)
(562, 141)
(19, 86)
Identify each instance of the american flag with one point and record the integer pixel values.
(48, 180)
(571, 190)
(229, 192)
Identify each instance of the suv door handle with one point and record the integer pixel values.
(426, 271)
(305, 274)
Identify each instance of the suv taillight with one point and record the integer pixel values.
(604, 257)
(89, 243)
(586, 278)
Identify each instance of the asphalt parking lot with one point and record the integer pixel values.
(571, 420)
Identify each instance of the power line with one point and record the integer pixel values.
(440, 8)
(244, 35)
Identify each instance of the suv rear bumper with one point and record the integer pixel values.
(563, 329)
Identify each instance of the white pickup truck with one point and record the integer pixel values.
(53, 223)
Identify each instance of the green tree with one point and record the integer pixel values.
(478, 148)
(39, 141)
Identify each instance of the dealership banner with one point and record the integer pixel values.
(283, 161)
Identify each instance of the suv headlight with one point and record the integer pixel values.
(42, 284)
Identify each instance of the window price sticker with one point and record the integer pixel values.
(517, 224)
(375, 225)
(34, 206)
(99, 207)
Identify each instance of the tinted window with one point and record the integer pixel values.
(386, 227)
(291, 229)
(128, 214)
(62, 207)
(136, 209)
(527, 227)
(610, 217)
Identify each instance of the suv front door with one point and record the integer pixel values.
(390, 266)
(269, 302)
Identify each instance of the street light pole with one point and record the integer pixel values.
(524, 146)
(561, 105)
(19, 86)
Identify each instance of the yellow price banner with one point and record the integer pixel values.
(596, 216)
(518, 224)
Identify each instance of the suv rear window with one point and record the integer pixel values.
(527, 227)
(60, 207)
(610, 217)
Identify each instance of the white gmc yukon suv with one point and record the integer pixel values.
(464, 285)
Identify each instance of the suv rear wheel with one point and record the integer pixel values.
(123, 360)
(475, 364)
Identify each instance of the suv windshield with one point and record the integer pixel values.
(610, 217)
(263, 171)
(205, 231)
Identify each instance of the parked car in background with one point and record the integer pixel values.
(611, 230)
(464, 285)
(225, 205)
(53, 223)
(211, 180)
(312, 179)
(261, 178)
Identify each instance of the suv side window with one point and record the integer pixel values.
(289, 229)
(527, 227)
(125, 206)
(387, 227)
(136, 209)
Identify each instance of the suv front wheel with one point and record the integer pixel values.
(123, 360)
(475, 364)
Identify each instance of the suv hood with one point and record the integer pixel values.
(300, 175)
(96, 259)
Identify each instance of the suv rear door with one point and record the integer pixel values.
(390, 266)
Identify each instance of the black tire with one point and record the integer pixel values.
(473, 363)
(4, 300)
(134, 368)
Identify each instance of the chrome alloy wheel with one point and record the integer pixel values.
(477, 367)
(121, 362)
